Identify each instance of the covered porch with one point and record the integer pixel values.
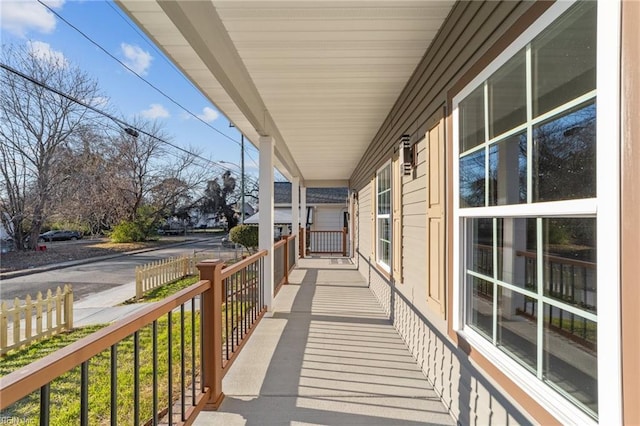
(326, 354)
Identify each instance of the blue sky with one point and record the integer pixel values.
(29, 22)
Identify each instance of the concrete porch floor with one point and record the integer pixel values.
(326, 355)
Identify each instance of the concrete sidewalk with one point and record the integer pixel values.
(98, 308)
(326, 355)
(102, 308)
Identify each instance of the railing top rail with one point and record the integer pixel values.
(279, 243)
(232, 269)
(327, 232)
(291, 237)
(558, 259)
(549, 257)
(20, 383)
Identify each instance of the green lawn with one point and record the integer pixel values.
(65, 390)
(166, 290)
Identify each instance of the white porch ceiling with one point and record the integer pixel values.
(319, 77)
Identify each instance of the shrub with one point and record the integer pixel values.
(246, 236)
(127, 232)
(133, 231)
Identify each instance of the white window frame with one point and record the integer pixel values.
(606, 206)
(380, 262)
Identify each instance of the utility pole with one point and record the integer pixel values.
(242, 176)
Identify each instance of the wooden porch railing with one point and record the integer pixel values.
(284, 259)
(327, 242)
(569, 280)
(216, 316)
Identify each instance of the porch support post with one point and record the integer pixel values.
(211, 270)
(266, 225)
(295, 210)
(303, 219)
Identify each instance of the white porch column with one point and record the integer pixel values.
(303, 216)
(265, 238)
(295, 210)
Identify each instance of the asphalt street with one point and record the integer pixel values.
(90, 278)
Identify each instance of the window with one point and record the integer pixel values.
(527, 209)
(383, 217)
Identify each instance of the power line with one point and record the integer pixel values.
(171, 64)
(255, 162)
(128, 128)
(150, 44)
(136, 74)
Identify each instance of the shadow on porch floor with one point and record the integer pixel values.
(326, 355)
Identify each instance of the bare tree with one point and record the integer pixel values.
(35, 125)
(150, 173)
(88, 196)
(219, 196)
(138, 160)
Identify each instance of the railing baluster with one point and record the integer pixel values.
(114, 385)
(136, 378)
(203, 364)
(238, 308)
(225, 285)
(193, 351)
(170, 366)
(84, 393)
(182, 365)
(245, 289)
(155, 371)
(45, 403)
(81, 353)
(561, 296)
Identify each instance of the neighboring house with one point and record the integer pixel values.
(326, 209)
(494, 208)
(248, 209)
(214, 220)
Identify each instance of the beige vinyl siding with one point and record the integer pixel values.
(414, 243)
(328, 218)
(470, 31)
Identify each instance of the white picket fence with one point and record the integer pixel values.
(24, 323)
(161, 272)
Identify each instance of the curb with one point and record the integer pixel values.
(45, 268)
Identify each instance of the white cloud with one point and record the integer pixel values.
(44, 53)
(135, 58)
(155, 111)
(208, 114)
(20, 17)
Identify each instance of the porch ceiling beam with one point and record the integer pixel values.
(200, 24)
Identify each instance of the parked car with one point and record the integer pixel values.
(59, 235)
(170, 231)
(7, 245)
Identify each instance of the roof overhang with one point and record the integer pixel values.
(320, 77)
